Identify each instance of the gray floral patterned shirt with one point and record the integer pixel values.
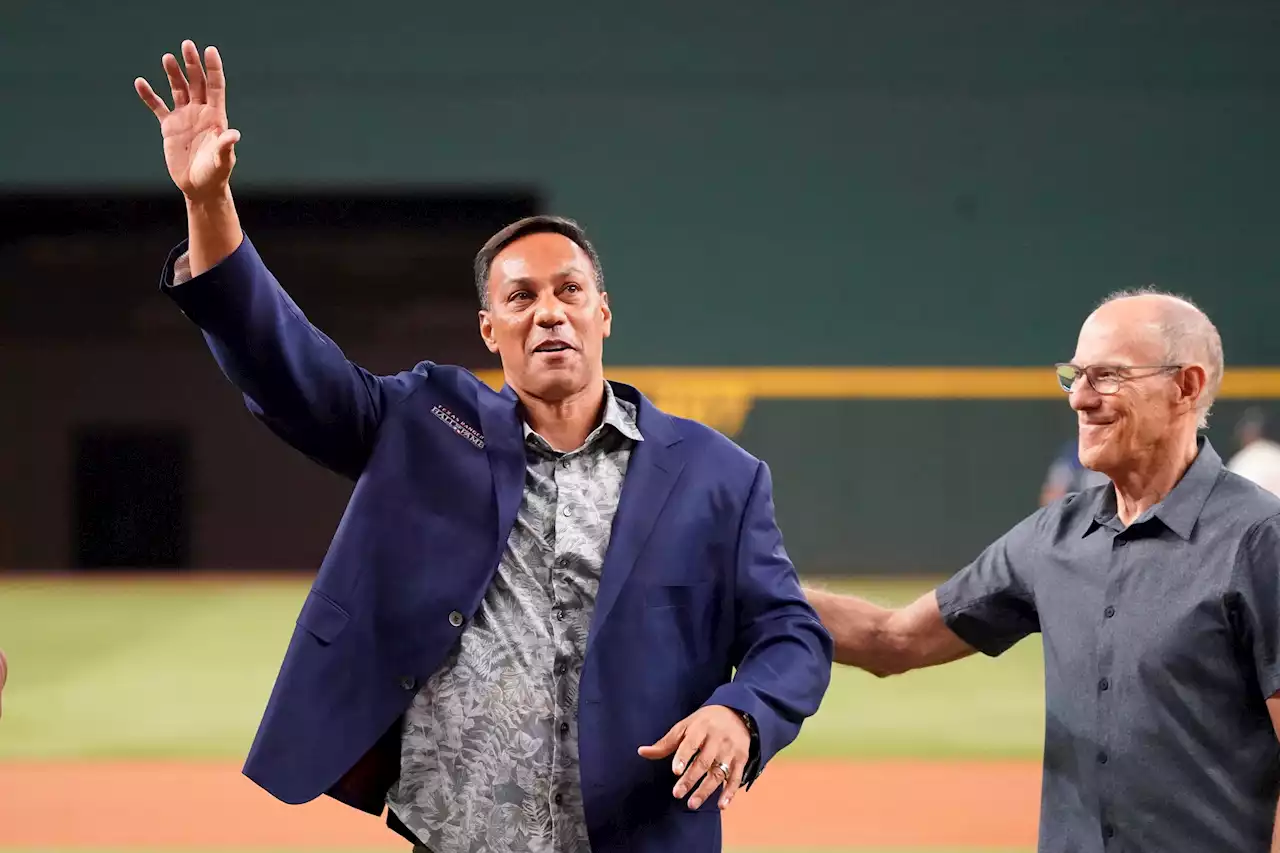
(489, 759)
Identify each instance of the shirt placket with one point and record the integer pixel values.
(568, 514)
(1103, 688)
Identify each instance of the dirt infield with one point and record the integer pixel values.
(795, 804)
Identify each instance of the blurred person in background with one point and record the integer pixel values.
(1157, 596)
(1258, 458)
(1066, 475)
(553, 617)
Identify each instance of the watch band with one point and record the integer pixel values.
(752, 769)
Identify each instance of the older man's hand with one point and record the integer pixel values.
(712, 745)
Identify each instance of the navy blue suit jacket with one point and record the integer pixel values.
(698, 602)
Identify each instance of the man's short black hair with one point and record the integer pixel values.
(542, 224)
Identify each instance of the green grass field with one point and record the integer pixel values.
(102, 669)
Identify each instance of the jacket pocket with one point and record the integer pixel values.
(672, 594)
(323, 617)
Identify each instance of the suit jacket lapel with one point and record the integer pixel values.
(504, 444)
(652, 472)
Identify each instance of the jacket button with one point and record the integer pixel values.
(407, 683)
(455, 619)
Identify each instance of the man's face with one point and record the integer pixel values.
(1118, 429)
(546, 319)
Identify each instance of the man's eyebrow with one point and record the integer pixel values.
(571, 269)
(566, 270)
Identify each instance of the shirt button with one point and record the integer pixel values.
(559, 799)
(564, 463)
(559, 614)
(455, 619)
(1102, 758)
(1120, 543)
(1108, 831)
(564, 728)
(561, 669)
(1104, 684)
(568, 512)
(1109, 612)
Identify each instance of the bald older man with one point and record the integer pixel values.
(1157, 595)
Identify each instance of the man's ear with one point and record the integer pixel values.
(1192, 381)
(486, 331)
(607, 313)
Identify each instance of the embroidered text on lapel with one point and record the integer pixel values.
(459, 426)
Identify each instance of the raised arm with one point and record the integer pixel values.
(199, 151)
(293, 377)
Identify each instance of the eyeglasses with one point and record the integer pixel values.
(1107, 378)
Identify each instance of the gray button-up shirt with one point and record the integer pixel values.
(1161, 646)
(490, 745)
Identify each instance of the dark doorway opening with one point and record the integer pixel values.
(131, 508)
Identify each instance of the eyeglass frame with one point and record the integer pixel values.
(1084, 370)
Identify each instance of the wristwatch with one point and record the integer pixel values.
(752, 769)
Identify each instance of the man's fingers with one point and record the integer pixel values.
(226, 148)
(694, 738)
(150, 98)
(217, 92)
(714, 778)
(666, 744)
(733, 783)
(693, 769)
(177, 83)
(195, 71)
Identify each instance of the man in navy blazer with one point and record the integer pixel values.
(537, 596)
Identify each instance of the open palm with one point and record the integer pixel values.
(199, 148)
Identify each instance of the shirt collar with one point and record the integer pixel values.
(1181, 508)
(618, 413)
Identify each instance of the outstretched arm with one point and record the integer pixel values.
(884, 641)
(987, 606)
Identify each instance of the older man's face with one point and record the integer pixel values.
(1118, 429)
(546, 319)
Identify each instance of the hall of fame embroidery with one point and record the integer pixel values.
(459, 426)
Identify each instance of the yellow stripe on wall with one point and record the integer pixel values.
(722, 396)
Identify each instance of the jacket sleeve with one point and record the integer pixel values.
(293, 378)
(782, 651)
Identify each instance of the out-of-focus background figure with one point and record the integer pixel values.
(1066, 475)
(1258, 457)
